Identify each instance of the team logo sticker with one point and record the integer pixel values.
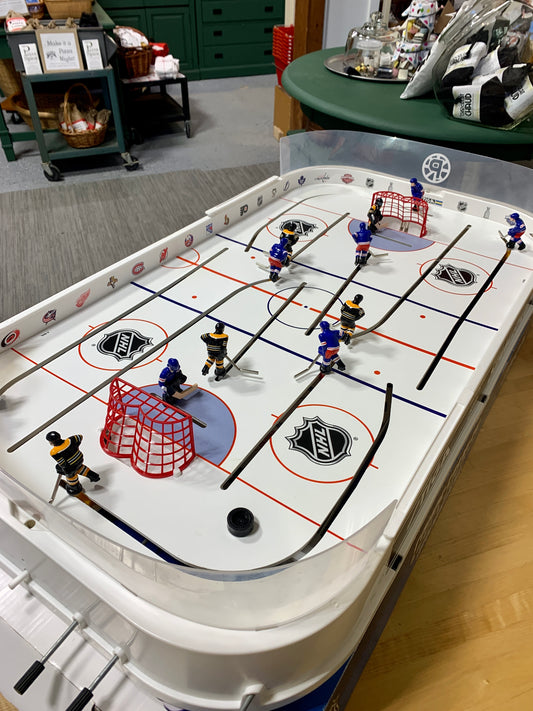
(113, 281)
(347, 178)
(189, 240)
(82, 298)
(321, 442)
(123, 344)
(138, 268)
(436, 168)
(10, 338)
(163, 255)
(49, 316)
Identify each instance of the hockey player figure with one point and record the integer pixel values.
(362, 238)
(374, 215)
(417, 192)
(351, 312)
(278, 257)
(66, 453)
(290, 234)
(171, 379)
(217, 346)
(515, 232)
(329, 348)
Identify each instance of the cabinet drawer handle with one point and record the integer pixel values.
(269, 8)
(217, 11)
(217, 33)
(219, 55)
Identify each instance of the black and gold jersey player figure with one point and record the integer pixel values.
(351, 312)
(69, 458)
(217, 348)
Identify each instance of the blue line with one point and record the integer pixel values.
(372, 288)
(294, 353)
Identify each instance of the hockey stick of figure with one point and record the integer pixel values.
(311, 364)
(241, 370)
(56, 488)
(502, 236)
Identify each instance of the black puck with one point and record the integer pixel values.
(240, 522)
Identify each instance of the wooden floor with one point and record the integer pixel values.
(461, 636)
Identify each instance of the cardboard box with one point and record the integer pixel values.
(288, 115)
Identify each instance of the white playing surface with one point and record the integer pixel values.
(288, 492)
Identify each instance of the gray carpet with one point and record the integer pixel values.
(53, 237)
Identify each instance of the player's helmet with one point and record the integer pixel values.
(413, 180)
(54, 437)
(219, 328)
(514, 215)
(324, 325)
(357, 299)
(379, 202)
(283, 242)
(511, 219)
(362, 226)
(173, 364)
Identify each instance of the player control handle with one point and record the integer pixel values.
(81, 700)
(29, 676)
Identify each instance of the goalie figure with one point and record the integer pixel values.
(374, 215)
(171, 379)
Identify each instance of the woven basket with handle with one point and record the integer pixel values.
(80, 139)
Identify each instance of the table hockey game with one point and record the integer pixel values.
(339, 475)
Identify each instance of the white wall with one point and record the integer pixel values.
(341, 15)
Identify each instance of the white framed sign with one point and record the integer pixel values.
(30, 58)
(60, 50)
(93, 56)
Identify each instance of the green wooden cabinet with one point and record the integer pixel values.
(211, 38)
(162, 21)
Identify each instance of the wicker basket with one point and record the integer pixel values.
(46, 105)
(135, 62)
(62, 9)
(10, 82)
(81, 139)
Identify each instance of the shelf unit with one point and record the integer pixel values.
(52, 144)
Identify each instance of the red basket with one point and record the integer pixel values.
(282, 47)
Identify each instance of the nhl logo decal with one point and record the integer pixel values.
(321, 442)
(123, 344)
(458, 276)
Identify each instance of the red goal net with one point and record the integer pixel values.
(156, 437)
(404, 208)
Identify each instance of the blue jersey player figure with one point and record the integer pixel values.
(278, 257)
(362, 239)
(515, 232)
(351, 311)
(171, 379)
(417, 192)
(217, 348)
(329, 348)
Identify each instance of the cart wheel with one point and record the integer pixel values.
(16, 118)
(52, 173)
(188, 128)
(133, 165)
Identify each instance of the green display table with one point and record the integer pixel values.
(335, 101)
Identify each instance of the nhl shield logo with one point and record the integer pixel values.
(458, 276)
(321, 442)
(123, 344)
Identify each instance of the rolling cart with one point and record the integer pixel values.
(52, 144)
(147, 104)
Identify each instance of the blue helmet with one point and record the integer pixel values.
(324, 325)
(283, 242)
(362, 226)
(414, 180)
(173, 364)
